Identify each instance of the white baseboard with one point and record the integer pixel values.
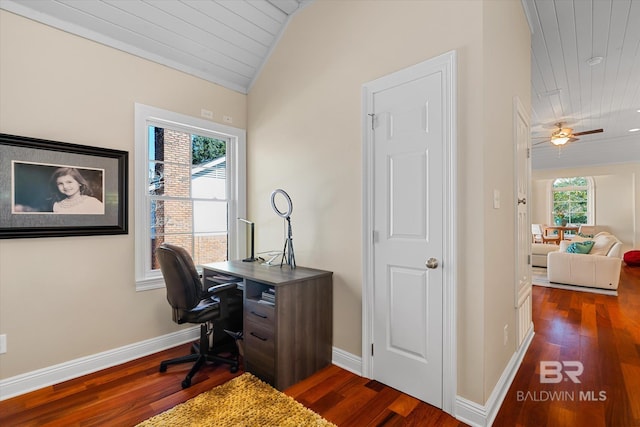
(478, 415)
(347, 361)
(55, 374)
(467, 411)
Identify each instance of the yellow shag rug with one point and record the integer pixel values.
(243, 401)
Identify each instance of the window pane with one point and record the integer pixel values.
(209, 180)
(183, 240)
(169, 179)
(570, 197)
(210, 248)
(209, 168)
(171, 216)
(209, 217)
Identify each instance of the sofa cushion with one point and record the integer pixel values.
(602, 244)
(580, 247)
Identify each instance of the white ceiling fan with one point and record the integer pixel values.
(564, 135)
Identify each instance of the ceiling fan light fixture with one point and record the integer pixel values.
(559, 140)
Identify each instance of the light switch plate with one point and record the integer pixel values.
(496, 199)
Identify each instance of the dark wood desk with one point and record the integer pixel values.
(288, 339)
(561, 229)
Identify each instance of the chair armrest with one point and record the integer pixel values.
(221, 288)
(228, 296)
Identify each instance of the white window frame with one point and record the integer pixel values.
(591, 191)
(145, 115)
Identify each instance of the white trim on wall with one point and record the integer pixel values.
(146, 278)
(478, 415)
(30, 381)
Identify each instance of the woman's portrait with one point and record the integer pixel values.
(56, 189)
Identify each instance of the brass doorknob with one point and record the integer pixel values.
(431, 263)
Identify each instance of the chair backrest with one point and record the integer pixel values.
(184, 288)
(587, 229)
(536, 229)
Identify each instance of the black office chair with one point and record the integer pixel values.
(217, 309)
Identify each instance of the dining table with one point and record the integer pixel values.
(561, 229)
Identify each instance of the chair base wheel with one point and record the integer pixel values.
(163, 368)
(186, 383)
(233, 369)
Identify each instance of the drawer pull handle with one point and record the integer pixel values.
(258, 336)
(259, 315)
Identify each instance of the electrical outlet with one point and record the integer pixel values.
(227, 119)
(206, 114)
(506, 334)
(3, 343)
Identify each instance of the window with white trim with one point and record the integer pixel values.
(572, 200)
(189, 189)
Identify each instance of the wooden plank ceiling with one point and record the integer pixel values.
(228, 41)
(585, 73)
(222, 41)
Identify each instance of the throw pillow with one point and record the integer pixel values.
(580, 247)
(602, 244)
(588, 236)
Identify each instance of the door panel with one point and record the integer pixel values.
(408, 141)
(407, 297)
(523, 224)
(407, 196)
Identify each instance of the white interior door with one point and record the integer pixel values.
(523, 301)
(408, 175)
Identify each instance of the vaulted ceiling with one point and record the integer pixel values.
(222, 41)
(585, 56)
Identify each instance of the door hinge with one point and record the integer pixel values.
(528, 153)
(529, 259)
(373, 117)
(372, 349)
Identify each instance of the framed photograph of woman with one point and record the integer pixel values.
(53, 189)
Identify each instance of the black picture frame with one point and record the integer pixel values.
(32, 199)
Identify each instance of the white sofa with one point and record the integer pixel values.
(539, 253)
(600, 268)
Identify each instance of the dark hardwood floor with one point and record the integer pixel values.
(601, 332)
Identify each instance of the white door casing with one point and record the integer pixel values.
(522, 141)
(409, 309)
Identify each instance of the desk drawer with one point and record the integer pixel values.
(259, 338)
(259, 313)
(259, 346)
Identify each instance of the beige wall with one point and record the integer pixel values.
(305, 136)
(617, 198)
(64, 298)
(506, 74)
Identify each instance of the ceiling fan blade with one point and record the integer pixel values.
(538, 143)
(573, 139)
(588, 132)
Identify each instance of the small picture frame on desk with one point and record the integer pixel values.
(56, 189)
